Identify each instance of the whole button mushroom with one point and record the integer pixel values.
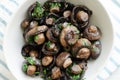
(31, 70)
(69, 36)
(29, 51)
(53, 34)
(92, 33)
(25, 24)
(56, 73)
(81, 16)
(82, 42)
(61, 58)
(47, 60)
(51, 18)
(33, 53)
(35, 35)
(96, 49)
(39, 39)
(76, 69)
(83, 53)
(67, 13)
(67, 63)
(50, 48)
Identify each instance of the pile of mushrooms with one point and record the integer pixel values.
(59, 40)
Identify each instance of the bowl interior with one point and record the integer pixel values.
(13, 40)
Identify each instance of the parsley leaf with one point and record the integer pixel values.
(30, 60)
(48, 44)
(24, 67)
(38, 10)
(52, 5)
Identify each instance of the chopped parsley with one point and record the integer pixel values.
(36, 37)
(73, 76)
(30, 39)
(24, 67)
(52, 5)
(60, 26)
(48, 44)
(37, 73)
(38, 10)
(44, 71)
(30, 60)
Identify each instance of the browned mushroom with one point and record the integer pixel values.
(32, 66)
(47, 60)
(50, 48)
(61, 58)
(56, 73)
(83, 42)
(39, 39)
(31, 70)
(67, 13)
(69, 36)
(53, 34)
(67, 63)
(76, 69)
(33, 53)
(51, 18)
(92, 33)
(80, 16)
(83, 53)
(30, 51)
(25, 24)
(30, 35)
(33, 24)
(96, 49)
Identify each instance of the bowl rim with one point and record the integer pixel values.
(13, 16)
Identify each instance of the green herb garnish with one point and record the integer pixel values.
(73, 76)
(38, 10)
(24, 67)
(69, 24)
(84, 43)
(30, 60)
(44, 71)
(48, 44)
(36, 37)
(30, 39)
(37, 73)
(52, 5)
(60, 26)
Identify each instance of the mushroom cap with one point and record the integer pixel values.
(61, 58)
(77, 9)
(70, 33)
(48, 51)
(92, 33)
(53, 34)
(83, 53)
(96, 49)
(34, 31)
(82, 42)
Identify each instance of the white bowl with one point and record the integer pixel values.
(13, 40)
